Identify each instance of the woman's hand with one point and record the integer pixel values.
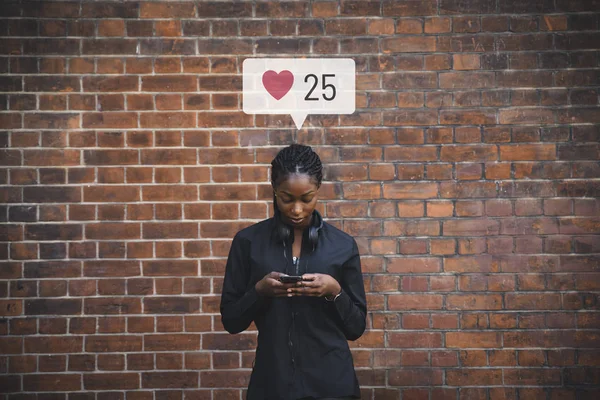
(318, 285)
(270, 285)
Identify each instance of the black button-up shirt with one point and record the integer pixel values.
(302, 341)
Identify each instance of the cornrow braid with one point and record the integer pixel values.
(296, 159)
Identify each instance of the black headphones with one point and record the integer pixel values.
(284, 232)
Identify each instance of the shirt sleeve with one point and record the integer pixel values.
(351, 305)
(240, 302)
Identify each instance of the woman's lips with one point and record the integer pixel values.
(296, 221)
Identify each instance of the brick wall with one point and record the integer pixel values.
(469, 175)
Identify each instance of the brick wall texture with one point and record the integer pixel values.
(469, 175)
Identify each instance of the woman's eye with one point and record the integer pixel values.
(285, 200)
(305, 200)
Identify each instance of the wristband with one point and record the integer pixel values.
(328, 298)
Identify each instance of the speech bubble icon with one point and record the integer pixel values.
(299, 86)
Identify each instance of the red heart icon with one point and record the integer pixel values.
(278, 84)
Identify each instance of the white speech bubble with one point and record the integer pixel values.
(299, 86)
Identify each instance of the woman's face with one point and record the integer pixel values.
(296, 198)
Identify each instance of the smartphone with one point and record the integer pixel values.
(290, 278)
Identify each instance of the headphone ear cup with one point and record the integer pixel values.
(313, 235)
(283, 231)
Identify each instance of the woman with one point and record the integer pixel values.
(303, 327)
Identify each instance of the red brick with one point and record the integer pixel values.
(110, 84)
(530, 375)
(171, 305)
(526, 116)
(523, 152)
(440, 208)
(382, 209)
(381, 26)
(414, 302)
(437, 62)
(409, 191)
(176, 268)
(113, 343)
(437, 25)
(466, 79)
(467, 377)
(468, 153)
(108, 381)
(470, 264)
(52, 382)
(425, 153)
(111, 28)
(413, 246)
(397, 9)
(171, 342)
(474, 302)
(553, 23)
(171, 10)
(411, 228)
(442, 247)
(226, 342)
(346, 27)
(410, 209)
(473, 339)
(168, 120)
(408, 44)
(409, 25)
(324, 10)
(473, 358)
(111, 305)
(413, 265)
(466, 61)
(465, 24)
(53, 344)
(414, 340)
(113, 120)
(444, 321)
(467, 189)
(347, 209)
(168, 102)
(469, 208)
(423, 377)
(466, 227)
(467, 117)
(224, 378)
(533, 301)
(169, 84)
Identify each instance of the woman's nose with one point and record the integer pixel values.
(297, 209)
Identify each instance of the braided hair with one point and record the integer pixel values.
(296, 159)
